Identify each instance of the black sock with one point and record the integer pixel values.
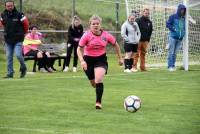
(99, 91)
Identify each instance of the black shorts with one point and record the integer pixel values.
(32, 53)
(130, 47)
(93, 62)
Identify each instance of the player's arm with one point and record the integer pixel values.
(118, 52)
(80, 56)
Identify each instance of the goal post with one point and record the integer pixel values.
(160, 10)
(185, 44)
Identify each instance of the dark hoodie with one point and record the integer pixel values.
(176, 23)
(146, 28)
(13, 26)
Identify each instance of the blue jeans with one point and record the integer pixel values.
(174, 46)
(10, 49)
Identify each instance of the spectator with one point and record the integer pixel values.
(176, 26)
(130, 33)
(31, 43)
(92, 55)
(146, 29)
(75, 32)
(15, 26)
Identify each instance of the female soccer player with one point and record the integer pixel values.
(92, 55)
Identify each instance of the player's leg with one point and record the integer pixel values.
(99, 76)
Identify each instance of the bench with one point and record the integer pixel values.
(57, 52)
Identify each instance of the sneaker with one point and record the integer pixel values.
(134, 70)
(50, 70)
(98, 105)
(127, 71)
(43, 70)
(23, 73)
(167, 46)
(74, 69)
(171, 69)
(8, 76)
(66, 69)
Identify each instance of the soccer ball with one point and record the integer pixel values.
(132, 103)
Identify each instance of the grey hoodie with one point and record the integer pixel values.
(130, 32)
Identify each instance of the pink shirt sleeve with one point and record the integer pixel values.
(84, 39)
(111, 39)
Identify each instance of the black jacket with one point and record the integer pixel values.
(13, 26)
(146, 28)
(75, 32)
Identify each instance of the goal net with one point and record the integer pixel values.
(160, 10)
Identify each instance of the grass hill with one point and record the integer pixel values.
(56, 14)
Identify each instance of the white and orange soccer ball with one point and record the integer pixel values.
(132, 103)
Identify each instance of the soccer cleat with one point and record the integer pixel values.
(74, 69)
(98, 105)
(66, 69)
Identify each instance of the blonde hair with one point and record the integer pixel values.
(74, 19)
(95, 17)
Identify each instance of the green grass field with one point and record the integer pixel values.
(63, 103)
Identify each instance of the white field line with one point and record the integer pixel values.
(30, 129)
(114, 77)
(135, 80)
(62, 77)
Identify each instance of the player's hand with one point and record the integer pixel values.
(84, 65)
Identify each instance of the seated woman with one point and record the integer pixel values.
(30, 48)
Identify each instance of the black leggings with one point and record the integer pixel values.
(69, 53)
(44, 62)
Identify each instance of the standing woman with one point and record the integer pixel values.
(92, 55)
(75, 32)
(130, 33)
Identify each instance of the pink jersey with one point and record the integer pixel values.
(29, 36)
(95, 45)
